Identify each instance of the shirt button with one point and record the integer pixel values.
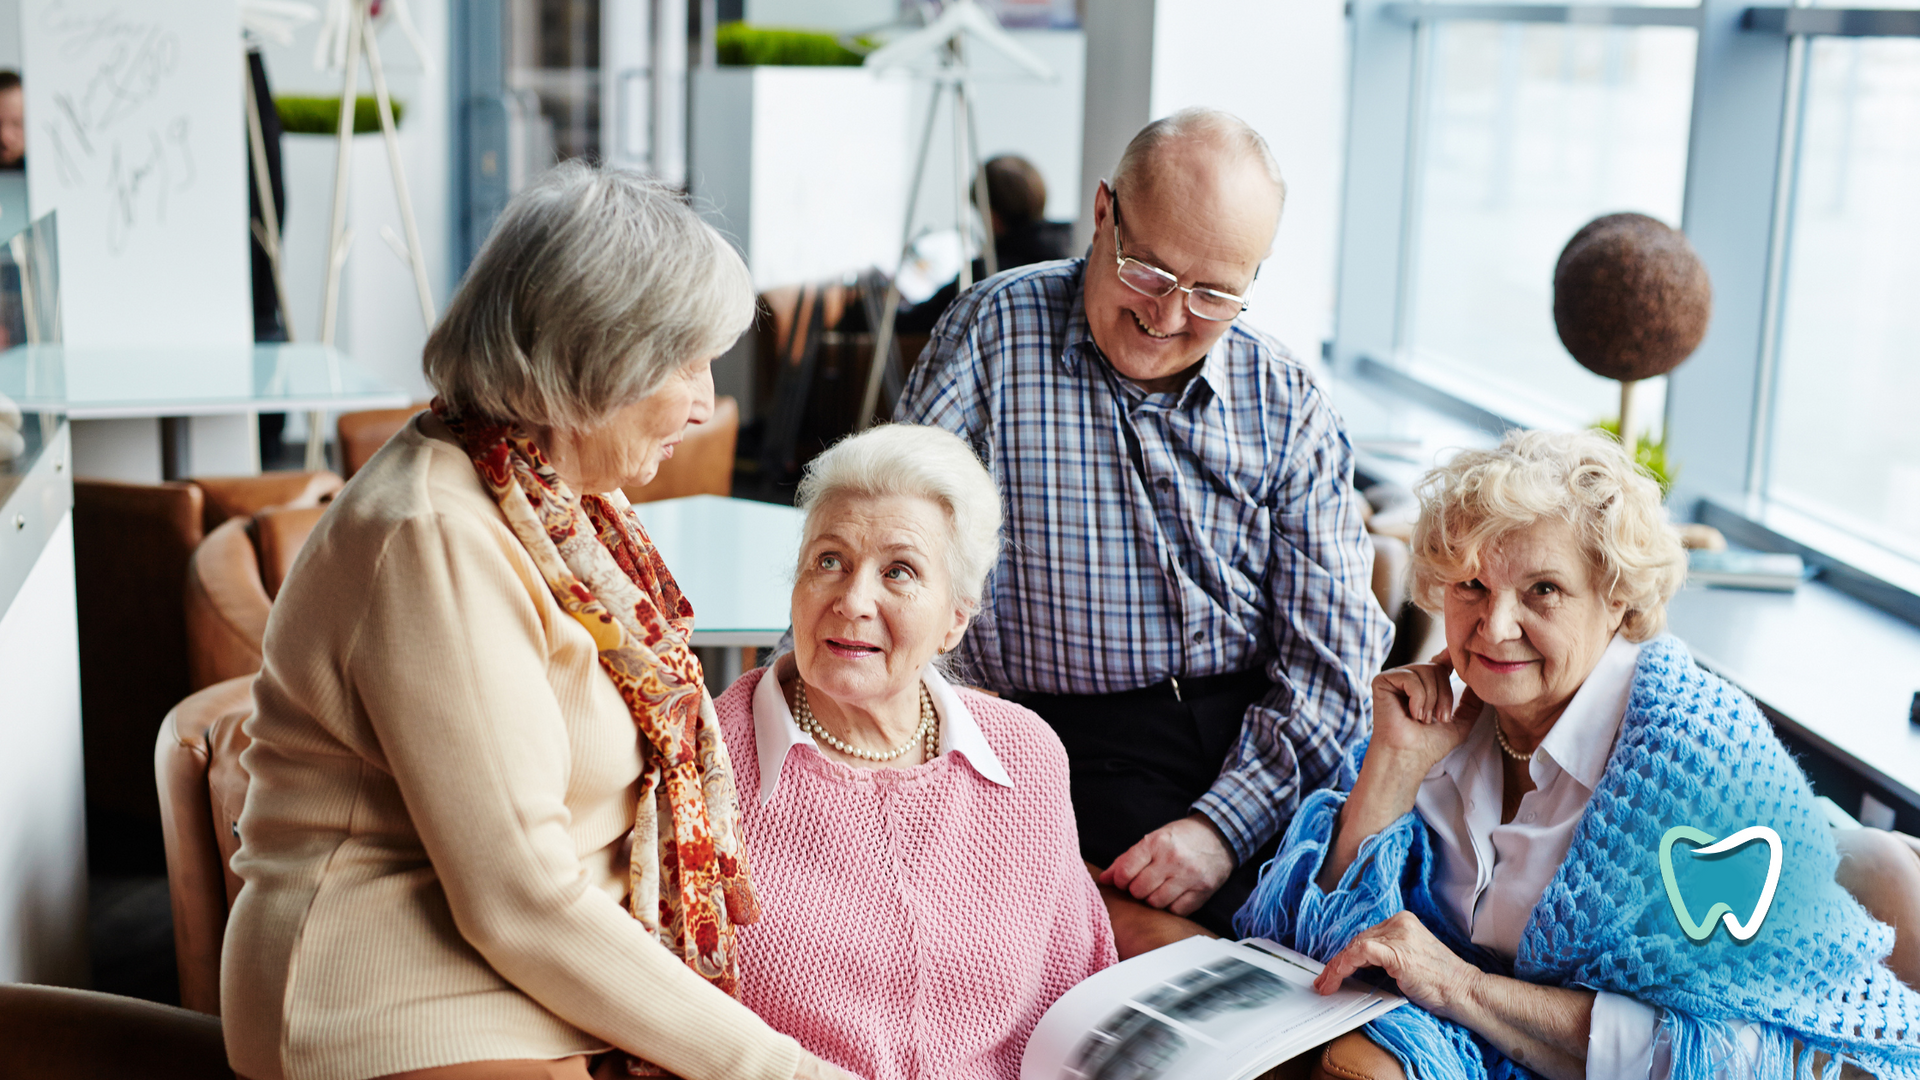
(1163, 483)
(1529, 817)
(1198, 637)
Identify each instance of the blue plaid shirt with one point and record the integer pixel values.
(1237, 540)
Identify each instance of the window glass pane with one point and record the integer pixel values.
(1846, 435)
(553, 51)
(1532, 131)
(1632, 3)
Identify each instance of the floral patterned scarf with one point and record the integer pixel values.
(689, 875)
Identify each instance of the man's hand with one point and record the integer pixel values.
(1177, 866)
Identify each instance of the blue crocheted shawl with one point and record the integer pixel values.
(1692, 750)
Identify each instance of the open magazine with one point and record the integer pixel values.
(1199, 1008)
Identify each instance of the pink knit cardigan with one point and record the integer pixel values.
(916, 923)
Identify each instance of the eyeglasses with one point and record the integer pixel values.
(1149, 280)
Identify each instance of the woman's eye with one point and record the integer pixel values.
(899, 573)
(1470, 586)
(828, 562)
(1545, 588)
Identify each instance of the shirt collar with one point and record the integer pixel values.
(775, 732)
(1582, 739)
(1579, 743)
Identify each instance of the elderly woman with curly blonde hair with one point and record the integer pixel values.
(1527, 854)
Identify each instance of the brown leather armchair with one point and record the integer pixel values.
(361, 434)
(132, 544)
(232, 580)
(196, 765)
(51, 1031)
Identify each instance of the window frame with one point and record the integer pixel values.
(1748, 101)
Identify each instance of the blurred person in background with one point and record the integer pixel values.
(13, 122)
(1022, 235)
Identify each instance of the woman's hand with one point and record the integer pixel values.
(1544, 1028)
(1414, 715)
(1429, 974)
(1415, 724)
(812, 1068)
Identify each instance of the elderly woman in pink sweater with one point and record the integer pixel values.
(922, 895)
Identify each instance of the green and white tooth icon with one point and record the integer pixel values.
(1720, 911)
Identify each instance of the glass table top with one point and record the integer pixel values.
(98, 384)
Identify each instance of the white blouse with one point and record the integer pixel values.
(776, 732)
(1490, 876)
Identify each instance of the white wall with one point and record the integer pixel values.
(10, 34)
(1282, 68)
(837, 16)
(777, 166)
(43, 843)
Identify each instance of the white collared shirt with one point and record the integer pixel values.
(1490, 876)
(776, 733)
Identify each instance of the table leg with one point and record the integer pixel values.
(721, 664)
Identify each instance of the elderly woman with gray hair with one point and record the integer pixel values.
(1593, 858)
(923, 895)
(491, 832)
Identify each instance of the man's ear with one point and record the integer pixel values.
(1102, 205)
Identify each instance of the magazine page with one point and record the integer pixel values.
(1199, 1008)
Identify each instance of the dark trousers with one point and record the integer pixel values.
(1138, 760)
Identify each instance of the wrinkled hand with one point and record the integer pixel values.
(1177, 866)
(1414, 714)
(1428, 973)
(11, 444)
(812, 1068)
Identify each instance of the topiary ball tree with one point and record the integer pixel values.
(1631, 300)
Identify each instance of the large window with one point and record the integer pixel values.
(1846, 437)
(1532, 130)
(1783, 138)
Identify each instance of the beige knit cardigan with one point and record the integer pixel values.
(443, 781)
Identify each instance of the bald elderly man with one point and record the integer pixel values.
(1184, 594)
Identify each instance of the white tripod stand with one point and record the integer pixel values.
(360, 40)
(938, 52)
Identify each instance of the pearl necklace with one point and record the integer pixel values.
(1507, 747)
(927, 734)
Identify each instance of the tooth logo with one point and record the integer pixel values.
(1720, 911)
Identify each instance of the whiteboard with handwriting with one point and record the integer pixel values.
(136, 134)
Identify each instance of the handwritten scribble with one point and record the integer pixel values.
(111, 127)
(68, 169)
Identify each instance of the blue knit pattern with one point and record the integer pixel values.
(1692, 750)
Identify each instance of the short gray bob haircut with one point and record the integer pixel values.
(911, 461)
(595, 285)
(1209, 125)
